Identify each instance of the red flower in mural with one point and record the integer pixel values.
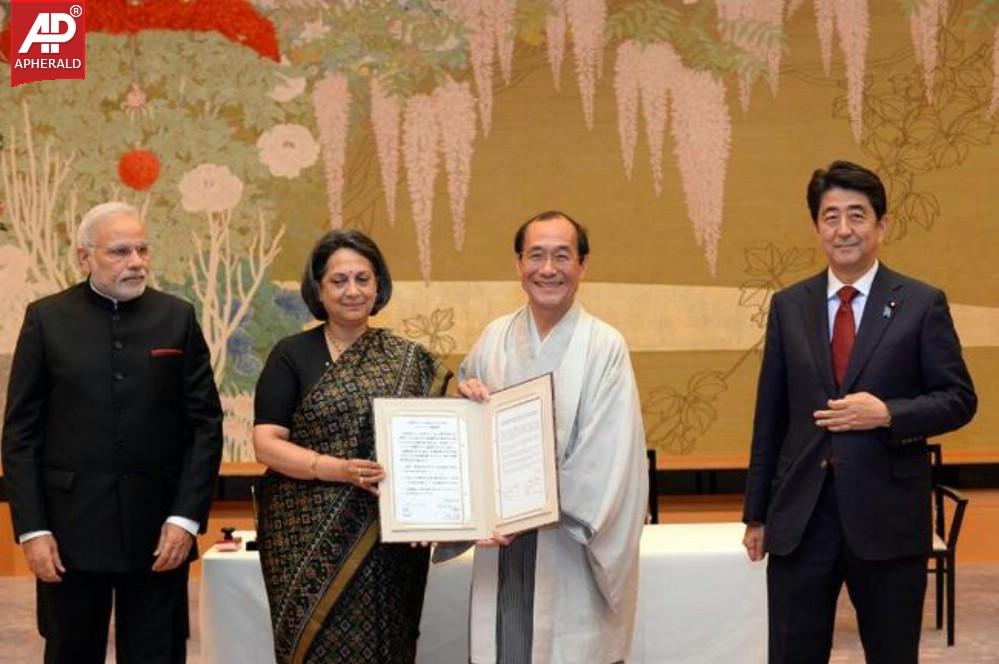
(139, 169)
(236, 20)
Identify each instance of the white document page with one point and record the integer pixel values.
(429, 470)
(520, 466)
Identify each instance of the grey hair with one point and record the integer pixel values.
(98, 214)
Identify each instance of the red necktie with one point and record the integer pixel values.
(844, 332)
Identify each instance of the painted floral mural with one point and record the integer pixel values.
(241, 128)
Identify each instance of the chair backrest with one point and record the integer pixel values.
(936, 467)
(950, 535)
(940, 493)
(650, 457)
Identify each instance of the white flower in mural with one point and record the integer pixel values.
(289, 88)
(286, 149)
(313, 30)
(210, 188)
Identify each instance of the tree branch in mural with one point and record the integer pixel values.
(34, 190)
(237, 426)
(224, 305)
(433, 329)
(677, 420)
(224, 279)
(907, 136)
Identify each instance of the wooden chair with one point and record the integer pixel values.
(944, 554)
(653, 515)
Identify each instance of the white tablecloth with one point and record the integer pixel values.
(701, 601)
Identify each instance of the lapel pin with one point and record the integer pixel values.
(888, 310)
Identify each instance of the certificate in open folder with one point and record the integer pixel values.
(457, 470)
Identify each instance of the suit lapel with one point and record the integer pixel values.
(816, 314)
(879, 312)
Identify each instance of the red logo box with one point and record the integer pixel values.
(48, 41)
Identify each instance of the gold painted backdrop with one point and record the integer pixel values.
(681, 133)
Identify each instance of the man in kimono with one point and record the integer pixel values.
(567, 592)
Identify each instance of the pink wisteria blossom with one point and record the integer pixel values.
(555, 27)
(657, 61)
(762, 11)
(854, 30)
(500, 15)
(481, 54)
(702, 133)
(994, 106)
(331, 106)
(626, 83)
(825, 22)
(491, 29)
(924, 23)
(454, 107)
(386, 110)
(420, 138)
(586, 20)
(641, 76)
(792, 7)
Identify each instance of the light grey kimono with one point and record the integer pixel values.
(585, 569)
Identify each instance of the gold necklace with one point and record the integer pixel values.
(336, 347)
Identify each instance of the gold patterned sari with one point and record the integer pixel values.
(336, 594)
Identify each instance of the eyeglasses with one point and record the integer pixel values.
(120, 252)
(560, 257)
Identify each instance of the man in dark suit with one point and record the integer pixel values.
(111, 446)
(861, 365)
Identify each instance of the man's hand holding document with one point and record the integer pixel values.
(457, 470)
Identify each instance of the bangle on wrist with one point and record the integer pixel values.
(313, 465)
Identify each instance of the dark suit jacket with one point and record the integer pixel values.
(908, 355)
(113, 423)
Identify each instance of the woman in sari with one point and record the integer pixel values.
(336, 594)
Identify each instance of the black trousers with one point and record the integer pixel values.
(803, 587)
(151, 617)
